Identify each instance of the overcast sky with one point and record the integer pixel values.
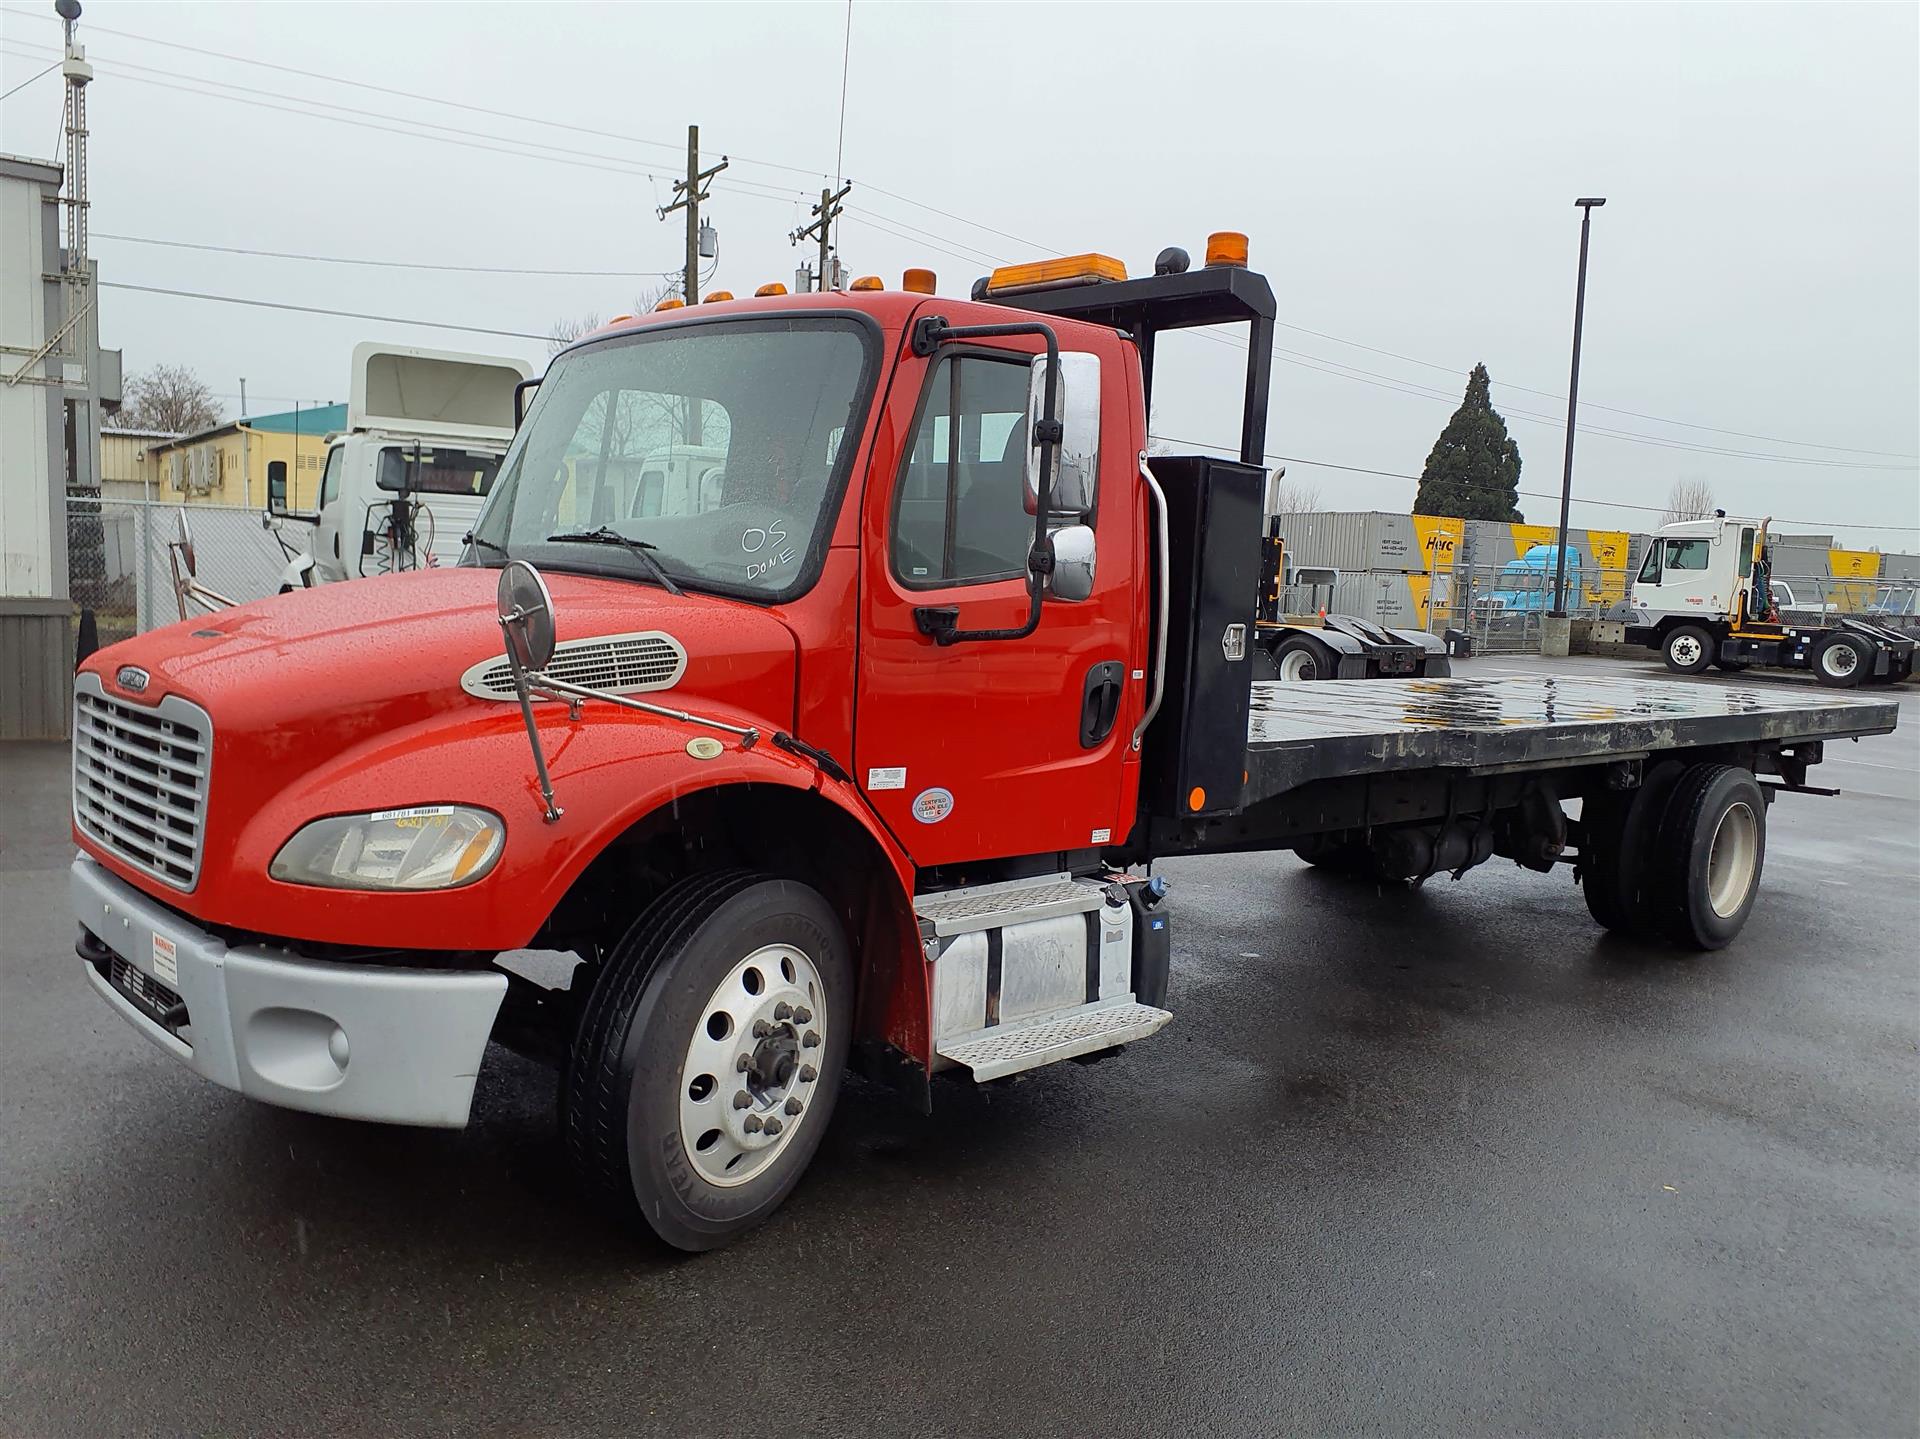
(1406, 175)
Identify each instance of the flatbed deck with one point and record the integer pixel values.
(1298, 733)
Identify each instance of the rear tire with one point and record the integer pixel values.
(1299, 659)
(1618, 831)
(1707, 860)
(1841, 662)
(651, 1111)
(1687, 649)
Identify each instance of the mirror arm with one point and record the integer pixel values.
(929, 333)
(520, 688)
(520, 399)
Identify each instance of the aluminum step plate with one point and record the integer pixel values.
(995, 906)
(992, 1053)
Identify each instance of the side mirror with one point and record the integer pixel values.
(1076, 465)
(277, 488)
(184, 543)
(1073, 550)
(526, 616)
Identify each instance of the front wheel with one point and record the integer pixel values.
(1687, 650)
(709, 1056)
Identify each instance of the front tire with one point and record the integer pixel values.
(729, 987)
(1687, 649)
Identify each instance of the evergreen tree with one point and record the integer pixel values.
(1474, 469)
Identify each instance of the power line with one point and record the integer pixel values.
(382, 264)
(319, 310)
(48, 71)
(1495, 489)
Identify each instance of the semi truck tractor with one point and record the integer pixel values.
(1706, 595)
(402, 484)
(866, 760)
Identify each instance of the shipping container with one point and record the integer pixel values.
(1353, 540)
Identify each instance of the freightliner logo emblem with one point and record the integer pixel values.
(132, 678)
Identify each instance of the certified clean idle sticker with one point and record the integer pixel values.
(889, 777)
(931, 806)
(165, 969)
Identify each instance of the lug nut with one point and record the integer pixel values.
(742, 1100)
(761, 1029)
(808, 1074)
(810, 1040)
(803, 1015)
(752, 1123)
(783, 1010)
(743, 1063)
(774, 1126)
(793, 1106)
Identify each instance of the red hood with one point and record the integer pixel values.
(363, 658)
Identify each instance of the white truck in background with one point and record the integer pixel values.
(404, 482)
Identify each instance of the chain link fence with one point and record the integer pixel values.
(120, 569)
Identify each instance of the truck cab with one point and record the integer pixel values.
(1525, 585)
(1705, 595)
(404, 482)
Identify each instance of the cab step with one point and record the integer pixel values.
(1008, 1049)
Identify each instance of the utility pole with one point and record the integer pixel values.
(243, 397)
(826, 212)
(690, 192)
(1559, 610)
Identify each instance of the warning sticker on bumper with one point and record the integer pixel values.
(164, 968)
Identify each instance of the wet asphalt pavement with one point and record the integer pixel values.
(1450, 1161)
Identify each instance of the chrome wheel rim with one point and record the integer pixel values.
(1732, 859)
(1685, 650)
(752, 1068)
(1297, 665)
(1840, 660)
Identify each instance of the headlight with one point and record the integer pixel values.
(439, 846)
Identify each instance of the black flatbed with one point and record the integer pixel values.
(1299, 733)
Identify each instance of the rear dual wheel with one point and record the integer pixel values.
(1680, 858)
(1840, 661)
(709, 1057)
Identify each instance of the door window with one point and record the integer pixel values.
(1650, 567)
(960, 513)
(330, 477)
(1688, 554)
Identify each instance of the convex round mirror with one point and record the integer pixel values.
(185, 544)
(1072, 577)
(526, 615)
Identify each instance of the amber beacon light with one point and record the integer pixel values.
(1227, 249)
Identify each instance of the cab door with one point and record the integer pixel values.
(328, 561)
(983, 749)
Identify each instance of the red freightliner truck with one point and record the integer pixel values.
(824, 675)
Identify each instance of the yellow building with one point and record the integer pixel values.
(125, 471)
(227, 465)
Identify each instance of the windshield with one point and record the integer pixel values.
(717, 445)
(436, 470)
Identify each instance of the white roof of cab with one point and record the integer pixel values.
(402, 387)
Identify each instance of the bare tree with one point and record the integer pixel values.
(1294, 497)
(565, 332)
(170, 398)
(1690, 498)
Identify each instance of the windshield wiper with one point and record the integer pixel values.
(470, 538)
(607, 535)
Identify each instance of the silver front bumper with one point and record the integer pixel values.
(359, 1041)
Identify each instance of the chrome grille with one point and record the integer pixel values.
(621, 664)
(140, 779)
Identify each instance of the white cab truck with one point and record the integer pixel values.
(404, 482)
(1705, 595)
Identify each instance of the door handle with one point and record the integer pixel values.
(1100, 702)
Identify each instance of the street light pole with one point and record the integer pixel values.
(1559, 611)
